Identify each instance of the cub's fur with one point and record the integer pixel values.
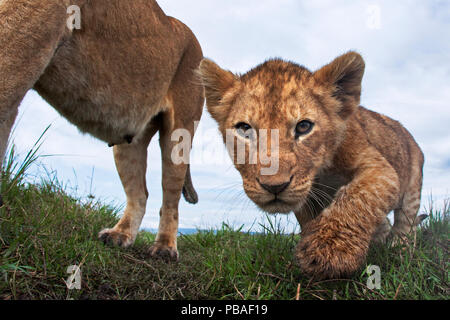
(342, 168)
(126, 74)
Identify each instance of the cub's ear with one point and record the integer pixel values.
(345, 75)
(216, 82)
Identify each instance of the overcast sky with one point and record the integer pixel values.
(407, 51)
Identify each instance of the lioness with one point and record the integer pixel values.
(342, 168)
(126, 74)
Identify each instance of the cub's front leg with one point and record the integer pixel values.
(335, 244)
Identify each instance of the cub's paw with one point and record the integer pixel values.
(399, 240)
(164, 252)
(324, 254)
(114, 237)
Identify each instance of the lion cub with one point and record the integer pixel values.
(341, 168)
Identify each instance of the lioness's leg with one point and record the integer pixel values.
(29, 34)
(186, 99)
(173, 177)
(131, 163)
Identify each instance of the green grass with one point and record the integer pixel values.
(44, 230)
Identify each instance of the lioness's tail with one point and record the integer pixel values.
(189, 193)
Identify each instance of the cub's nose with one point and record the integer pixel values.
(275, 188)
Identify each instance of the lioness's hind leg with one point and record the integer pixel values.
(173, 178)
(186, 101)
(131, 163)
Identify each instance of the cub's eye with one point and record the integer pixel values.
(303, 127)
(244, 130)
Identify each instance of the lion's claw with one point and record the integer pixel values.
(163, 252)
(113, 237)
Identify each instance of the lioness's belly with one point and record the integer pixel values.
(110, 89)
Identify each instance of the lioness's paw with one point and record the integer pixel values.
(324, 255)
(163, 252)
(113, 237)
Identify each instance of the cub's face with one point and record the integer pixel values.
(283, 123)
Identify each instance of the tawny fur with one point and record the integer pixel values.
(128, 73)
(343, 177)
